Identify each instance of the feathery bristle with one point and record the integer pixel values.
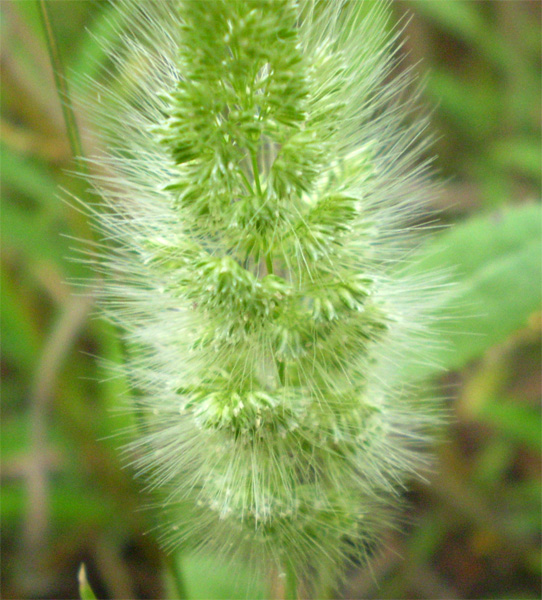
(262, 175)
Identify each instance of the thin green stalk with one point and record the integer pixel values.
(72, 130)
(61, 84)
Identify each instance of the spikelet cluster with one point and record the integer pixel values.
(262, 176)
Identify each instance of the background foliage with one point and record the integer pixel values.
(473, 531)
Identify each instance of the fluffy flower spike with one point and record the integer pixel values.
(260, 180)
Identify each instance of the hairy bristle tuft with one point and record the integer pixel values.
(263, 179)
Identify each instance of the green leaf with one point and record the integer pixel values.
(496, 261)
(85, 591)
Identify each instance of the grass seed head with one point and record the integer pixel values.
(262, 174)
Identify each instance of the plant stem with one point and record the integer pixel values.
(62, 86)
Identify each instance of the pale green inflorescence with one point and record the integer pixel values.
(259, 186)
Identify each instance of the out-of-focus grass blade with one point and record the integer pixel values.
(62, 86)
(37, 240)
(29, 177)
(20, 341)
(27, 233)
(464, 20)
(36, 233)
(85, 591)
(473, 108)
(93, 51)
(523, 155)
(515, 420)
(458, 17)
(70, 505)
(524, 500)
(493, 461)
(29, 13)
(14, 440)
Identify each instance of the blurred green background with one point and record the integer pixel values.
(474, 530)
